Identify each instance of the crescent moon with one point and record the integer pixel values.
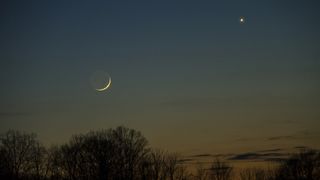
(106, 87)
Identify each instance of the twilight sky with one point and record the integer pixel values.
(185, 73)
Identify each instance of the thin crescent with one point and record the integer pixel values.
(106, 87)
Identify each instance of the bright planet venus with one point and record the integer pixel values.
(242, 20)
(196, 78)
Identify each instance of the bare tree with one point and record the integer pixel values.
(220, 170)
(300, 166)
(256, 174)
(182, 173)
(145, 168)
(4, 168)
(99, 148)
(39, 162)
(19, 154)
(171, 164)
(73, 163)
(158, 166)
(201, 172)
(123, 154)
(130, 148)
(106, 154)
(152, 165)
(54, 163)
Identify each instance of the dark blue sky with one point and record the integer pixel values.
(183, 71)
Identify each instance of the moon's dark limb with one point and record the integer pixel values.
(101, 81)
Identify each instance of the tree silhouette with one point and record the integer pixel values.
(54, 161)
(21, 154)
(201, 172)
(106, 154)
(124, 154)
(256, 174)
(220, 170)
(302, 166)
(130, 148)
(171, 164)
(153, 165)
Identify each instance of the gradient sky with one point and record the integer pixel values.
(185, 73)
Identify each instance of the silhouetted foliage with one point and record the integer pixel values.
(114, 153)
(302, 166)
(124, 154)
(256, 174)
(201, 172)
(21, 156)
(220, 170)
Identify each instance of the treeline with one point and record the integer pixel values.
(124, 154)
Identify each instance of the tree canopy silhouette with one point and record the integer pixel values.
(124, 154)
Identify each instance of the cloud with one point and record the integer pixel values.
(256, 156)
(301, 147)
(270, 150)
(245, 156)
(274, 155)
(274, 138)
(298, 135)
(211, 155)
(275, 159)
(201, 155)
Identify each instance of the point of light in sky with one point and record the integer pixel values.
(259, 74)
(242, 19)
